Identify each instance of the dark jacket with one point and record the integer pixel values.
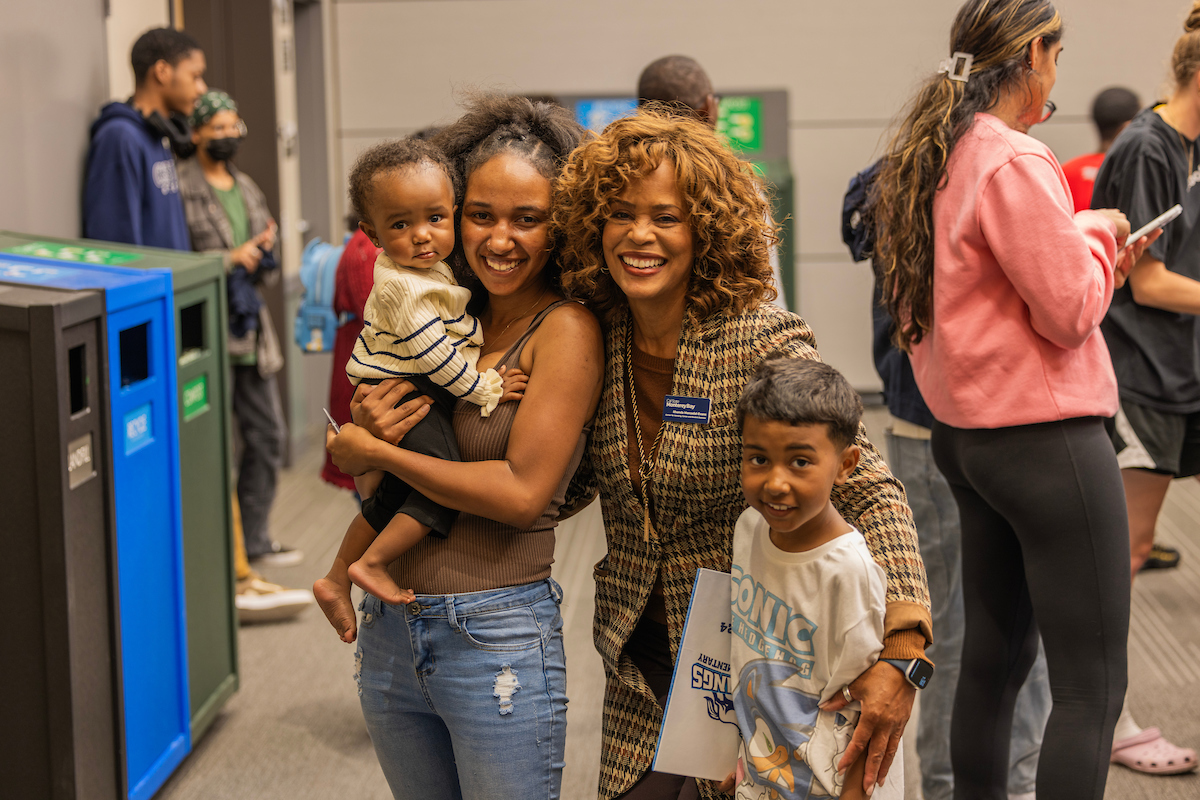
(131, 192)
(211, 232)
(900, 390)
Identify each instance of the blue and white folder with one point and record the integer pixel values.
(699, 735)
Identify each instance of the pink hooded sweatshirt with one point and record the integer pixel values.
(1020, 285)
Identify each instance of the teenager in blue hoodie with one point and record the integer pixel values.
(131, 193)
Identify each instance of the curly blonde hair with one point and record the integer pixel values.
(726, 210)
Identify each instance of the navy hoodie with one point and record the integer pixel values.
(131, 194)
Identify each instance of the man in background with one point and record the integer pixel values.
(680, 83)
(1111, 112)
(131, 191)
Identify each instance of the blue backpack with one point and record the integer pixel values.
(316, 321)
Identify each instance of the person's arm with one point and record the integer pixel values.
(1060, 263)
(415, 318)
(1156, 286)
(112, 203)
(564, 389)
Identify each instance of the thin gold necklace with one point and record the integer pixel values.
(528, 311)
(645, 470)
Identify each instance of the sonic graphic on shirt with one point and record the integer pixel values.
(785, 737)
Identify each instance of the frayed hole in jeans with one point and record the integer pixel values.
(505, 687)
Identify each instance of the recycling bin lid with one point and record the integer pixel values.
(123, 287)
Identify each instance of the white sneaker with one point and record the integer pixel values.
(258, 600)
(280, 555)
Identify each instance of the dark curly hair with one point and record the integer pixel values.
(394, 154)
(540, 133)
(727, 212)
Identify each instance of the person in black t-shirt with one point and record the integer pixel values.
(1153, 333)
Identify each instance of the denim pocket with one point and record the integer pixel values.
(510, 630)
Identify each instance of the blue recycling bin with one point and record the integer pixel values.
(139, 308)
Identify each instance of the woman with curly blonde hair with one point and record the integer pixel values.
(666, 237)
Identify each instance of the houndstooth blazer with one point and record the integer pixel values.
(697, 492)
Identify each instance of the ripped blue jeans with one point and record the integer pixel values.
(465, 696)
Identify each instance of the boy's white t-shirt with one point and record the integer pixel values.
(804, 625)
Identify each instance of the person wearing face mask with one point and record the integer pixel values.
(227, 214)
(131, 192)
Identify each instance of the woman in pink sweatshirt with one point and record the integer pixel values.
(999, 289)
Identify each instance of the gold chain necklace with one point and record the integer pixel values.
(645, 470)
(514, 319)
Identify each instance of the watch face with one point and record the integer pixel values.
(920, 673)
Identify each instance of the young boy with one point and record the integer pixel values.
(808, 600)
(415, 326)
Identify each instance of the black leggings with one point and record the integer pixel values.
(1045, 545)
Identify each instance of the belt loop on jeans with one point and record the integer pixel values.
(451, 618)
(555, 590)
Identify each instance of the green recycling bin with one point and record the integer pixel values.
(205, 449)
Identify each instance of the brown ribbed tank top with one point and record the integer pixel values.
(481, 554)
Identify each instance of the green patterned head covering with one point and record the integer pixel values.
(209, 104)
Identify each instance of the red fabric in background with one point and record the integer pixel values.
(1081, 177)
(352, 285)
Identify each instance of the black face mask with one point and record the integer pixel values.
(177, 131)
(223, 149)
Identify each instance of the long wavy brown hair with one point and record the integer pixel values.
(998, 34)
(726, 210)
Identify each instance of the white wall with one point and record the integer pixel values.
(127, 20)
(53, 78)
(848, 68)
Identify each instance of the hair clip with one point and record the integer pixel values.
(958, 66)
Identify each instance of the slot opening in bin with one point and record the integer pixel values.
(135, 354)
(191, 333)
(78, 379)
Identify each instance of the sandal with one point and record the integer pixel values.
(1149, 752)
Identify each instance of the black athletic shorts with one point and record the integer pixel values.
(1157, 440)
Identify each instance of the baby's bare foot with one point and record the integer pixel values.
(376, 580)
(334, 600)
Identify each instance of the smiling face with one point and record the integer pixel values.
(788, 472)
(506, 224)
(647, 240)
(412, 214)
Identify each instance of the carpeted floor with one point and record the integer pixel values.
(294, 730)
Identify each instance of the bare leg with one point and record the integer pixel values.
(333, 591)
(1144, 494)
(370, 571)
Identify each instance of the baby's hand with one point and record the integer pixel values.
(513, 383)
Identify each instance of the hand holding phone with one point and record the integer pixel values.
(1158, 222)
(336, 428)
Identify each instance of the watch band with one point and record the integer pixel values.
(916, 671)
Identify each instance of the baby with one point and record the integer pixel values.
(415, 327)
(799, 419)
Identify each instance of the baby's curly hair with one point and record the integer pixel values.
(727, 212)
(394, 154)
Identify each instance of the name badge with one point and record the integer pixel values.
(687, 409)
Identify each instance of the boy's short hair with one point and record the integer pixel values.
(801, 391)
(392, 155)
(159, 44)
